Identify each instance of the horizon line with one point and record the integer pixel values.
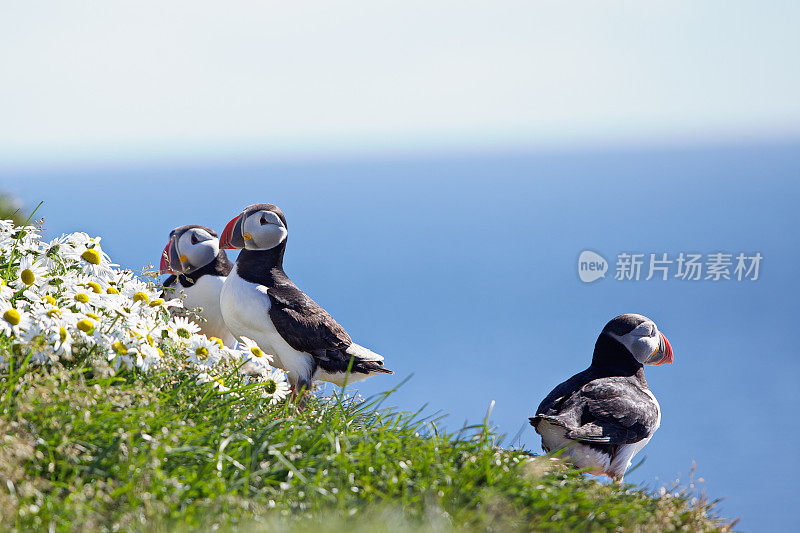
(254, 155)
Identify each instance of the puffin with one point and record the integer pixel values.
(602, 417)
(198, 269)
(259, 301)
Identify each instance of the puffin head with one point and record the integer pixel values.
(641, 337)
(189, 248)
(258, 227)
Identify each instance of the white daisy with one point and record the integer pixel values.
(181, 329)
(94, 261)
(80, 298)
(85, 329)
(61, 338)
(275, 386)
(13, 320)
(151, 357)
(130, 312)
(53, 253)
(6, 292)
(31, 334)
(136, 289)
(25, 239)
(146, 330)
(118, 349)
(91, 284)
(6, 227)
(203, 351)
(251, 351)
(30, 274)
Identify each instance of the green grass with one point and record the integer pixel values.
(11, 209)
(81, 450)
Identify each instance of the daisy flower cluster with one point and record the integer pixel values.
(64, 300)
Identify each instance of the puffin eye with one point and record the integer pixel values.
(263, 220)
(194, 238)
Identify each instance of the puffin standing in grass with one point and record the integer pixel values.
(259, 301)
(198, 269)
(605, 415)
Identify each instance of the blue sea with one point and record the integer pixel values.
(462, 269)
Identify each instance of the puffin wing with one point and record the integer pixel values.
(302, 322)
(602, 411)
(560, 406)
(307, 327)
(615, 411)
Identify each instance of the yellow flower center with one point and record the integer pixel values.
(270, 386)
(183, 333)
(53, 312)
(62, 333)
(141, 297)
(49, 299)
(156, 302)
(112, 290)
(85, 325)
(217, 340)
(82, 297)
(149, 340)
(27, 276)
(12, 317)
(159, 351)
(201, 352)
(119, 348)
(96, 288)
(91, 256)
(255, 350)
(92, 315)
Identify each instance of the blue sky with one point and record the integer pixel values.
(459, 154)
(201, 79)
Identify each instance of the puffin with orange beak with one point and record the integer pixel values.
(198, 270)
(602, 417)
(259, 301)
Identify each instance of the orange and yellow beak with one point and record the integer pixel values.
(170, 259)
(665, 351)
(232, 236)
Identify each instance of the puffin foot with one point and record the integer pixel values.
(299, 394)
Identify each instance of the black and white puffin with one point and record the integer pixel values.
(606, 414)
(259, 301)
(198, 269)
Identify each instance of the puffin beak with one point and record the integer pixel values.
(169, 258)
(232, 234)
(665, 351)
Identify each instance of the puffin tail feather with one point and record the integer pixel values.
(365, 354)
(365, 360)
